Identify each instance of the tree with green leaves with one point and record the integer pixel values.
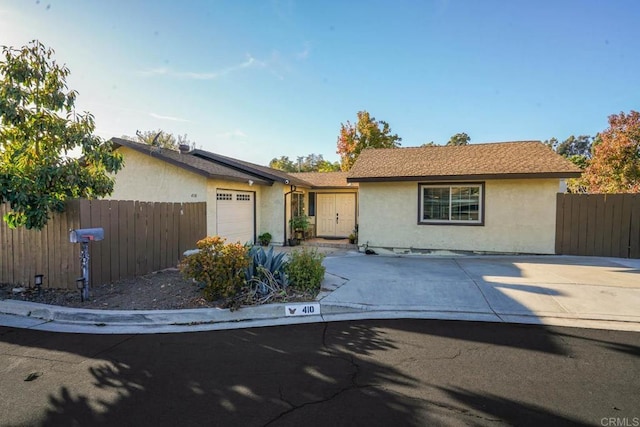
(578, 151)
(160, 138)
(39, 127)
(615, 165)
(459, 139)
(366, 133)
(310, 163)
(284, 164)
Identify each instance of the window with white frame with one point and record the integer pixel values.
(297, 204)
(452, 204)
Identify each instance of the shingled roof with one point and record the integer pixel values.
(258, 170)
(523, 159)
(326, 179)
(213, 165)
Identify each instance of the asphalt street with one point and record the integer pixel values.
(386, 372)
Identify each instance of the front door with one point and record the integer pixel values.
(336, 214)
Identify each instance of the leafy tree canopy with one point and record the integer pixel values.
(160, 138)
(38, 129)
(572, 146)
(310, 163)
(366, 133)
(459, 139)
(615, 166)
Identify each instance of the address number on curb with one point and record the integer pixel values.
(302, 309)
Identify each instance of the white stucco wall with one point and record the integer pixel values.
(148, 179)
(519, 217)
(271, 208)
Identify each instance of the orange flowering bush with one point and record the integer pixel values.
(218, 266)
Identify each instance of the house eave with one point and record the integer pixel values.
(149, 152)
(241, 167)
(541, 175)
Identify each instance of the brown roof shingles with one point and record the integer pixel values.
(325, 179)
(194, 164)
(525, 159)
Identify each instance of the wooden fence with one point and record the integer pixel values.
(598, 225)
(140, 237)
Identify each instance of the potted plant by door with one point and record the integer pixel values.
(353, 237)
(299, 224)
(265, 238)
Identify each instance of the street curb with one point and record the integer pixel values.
(28, 315)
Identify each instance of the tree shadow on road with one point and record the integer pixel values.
(266, 376)
(343, 373)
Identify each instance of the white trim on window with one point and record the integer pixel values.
(451, 203)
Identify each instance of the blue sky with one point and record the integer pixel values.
(261, 79)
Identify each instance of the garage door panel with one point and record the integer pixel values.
(235, 215)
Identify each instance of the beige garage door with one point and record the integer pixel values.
(235, 215)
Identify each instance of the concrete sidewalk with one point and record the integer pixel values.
(586, 292)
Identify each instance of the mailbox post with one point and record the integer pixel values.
(84, 236)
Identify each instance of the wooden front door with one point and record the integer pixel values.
(336, 214)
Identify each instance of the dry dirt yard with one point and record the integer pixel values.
(162, 290)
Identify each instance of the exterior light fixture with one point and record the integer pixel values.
(250, 182)
(80, 285)
(37, 281)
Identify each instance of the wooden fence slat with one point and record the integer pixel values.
(164, 234)
(174, 243)
(634, 229)
(591, 225)
(122, 225)
(574, 226)
(74, 218)
(625, 226)
(114, 240)
(131, 238)
(141, 237)
(99, 253)
(608, 225)
(559, 222)
(582, 224)
(566, 232)
(598, 248)
(616, 201)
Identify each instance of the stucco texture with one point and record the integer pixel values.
(519, 217)
(149, 179)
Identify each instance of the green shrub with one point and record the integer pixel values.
(305, 270)
(218, 266)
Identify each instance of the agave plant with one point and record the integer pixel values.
(266, 261)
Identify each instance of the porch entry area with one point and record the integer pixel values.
(336, 214)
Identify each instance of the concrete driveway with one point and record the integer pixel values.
(559, 290)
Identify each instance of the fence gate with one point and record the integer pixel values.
(598, 225)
